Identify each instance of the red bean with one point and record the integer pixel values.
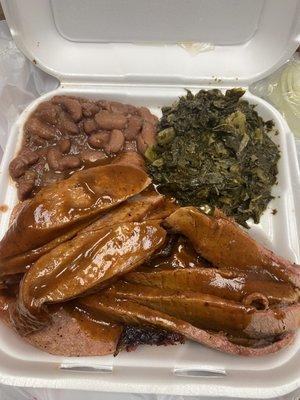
(121, 108)
(116, 142)
(48, 112)
(98, 139)
(72, 106)
(133, 128)
(69, 162)
(53, 158)
(64, 145)
(89, 109)
(147, 115)
(58, 162)
(89, 126)
(106, 120)
(67, 126)
(147, 137)
(36, 127)
(26, 185)
(20, 164)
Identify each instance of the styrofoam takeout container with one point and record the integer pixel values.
(128, 51)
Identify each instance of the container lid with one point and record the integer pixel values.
(136, 41)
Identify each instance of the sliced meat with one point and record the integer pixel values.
(65, 337)
(130, 158)
(167, 208)
(130, 313)
(228, 284)
(85, 263)
(133, 210)
(21, 262)
(222, 242)
(212, 312)
(58, 208)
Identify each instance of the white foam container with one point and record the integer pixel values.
(86, 45)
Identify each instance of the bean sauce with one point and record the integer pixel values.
(66, 134)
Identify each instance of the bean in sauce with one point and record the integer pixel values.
(66, 134)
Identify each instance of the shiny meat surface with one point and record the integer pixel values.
(64, 206)
(86, 263)
(222, 242)
(107, 259)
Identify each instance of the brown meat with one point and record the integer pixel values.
(130, 158)
(21, 262)
(67, 334)
(222, 242)
(65, 337)
(88, 261)
(212, 312)
(227, 284)
(130, 313)
(132, 210)
(168, 207)
(60, 207)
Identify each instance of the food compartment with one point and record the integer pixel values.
(278, 232)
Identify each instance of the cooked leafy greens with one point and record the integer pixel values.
(214, 149)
